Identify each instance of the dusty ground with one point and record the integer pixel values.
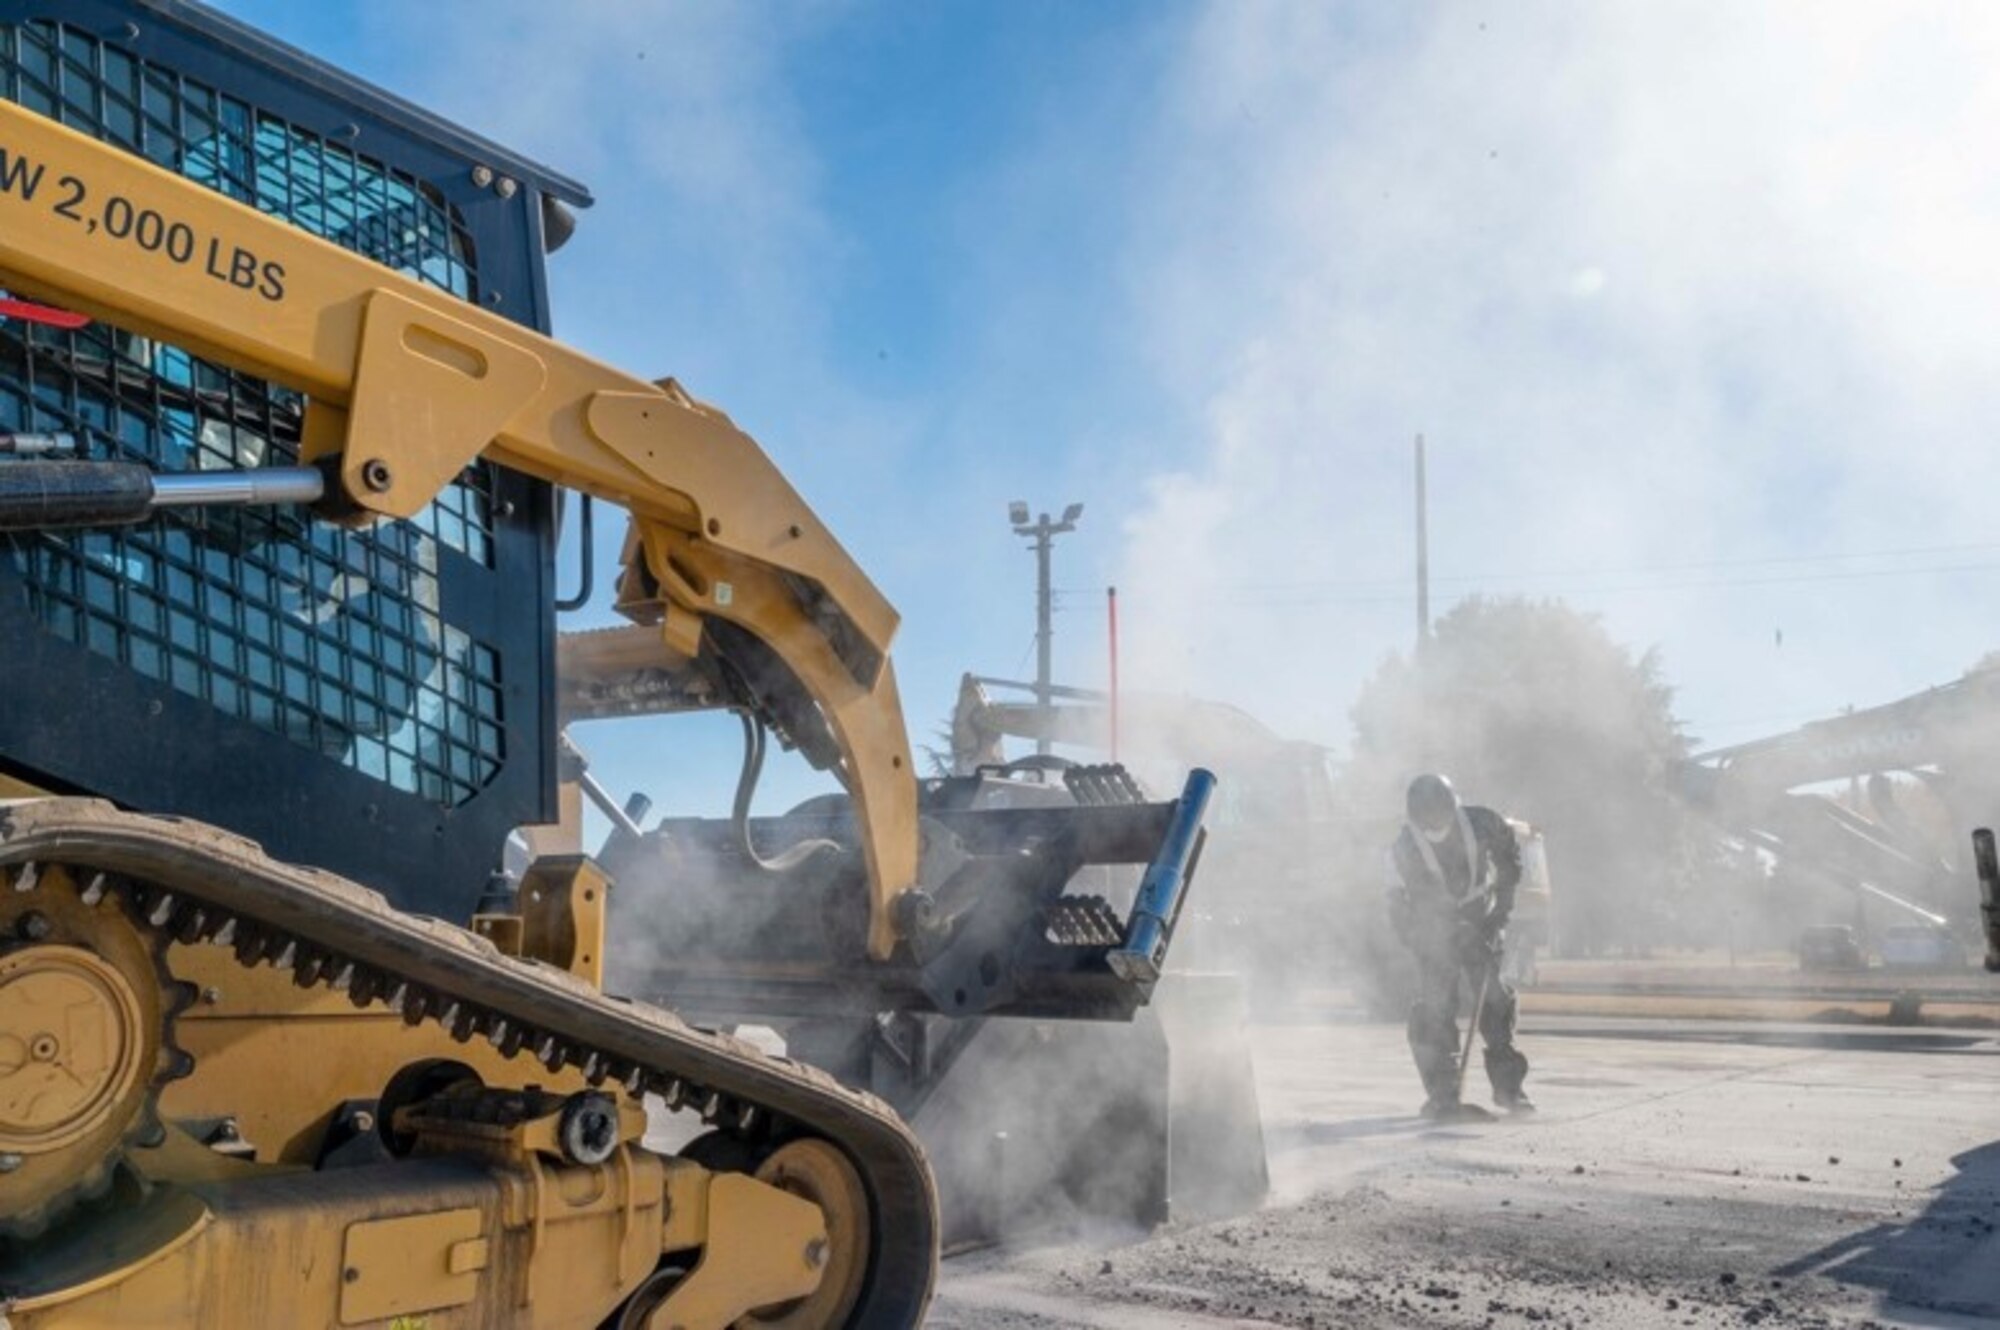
(1760, 971)
(1679, 1174)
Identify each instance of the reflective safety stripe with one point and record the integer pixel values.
(1476, 883)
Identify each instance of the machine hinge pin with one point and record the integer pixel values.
(191, 927)
(343, 977)
(286, 956)
(163, 909)
(635, 1081)
(26, 881)
(226, 934)
(711, 1107)
(550, 1053)
(10, 1162)
(93, 890)
(593, 1069)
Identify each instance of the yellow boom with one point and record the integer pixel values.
(406, 386)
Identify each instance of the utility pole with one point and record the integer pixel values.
(1042, 533)
(1423, 554)
(1111, 616)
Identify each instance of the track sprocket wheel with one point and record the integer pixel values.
(816, 1171)
(86, 1042)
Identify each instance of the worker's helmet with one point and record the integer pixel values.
(1432, 804)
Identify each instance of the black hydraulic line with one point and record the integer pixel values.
(587, 559)
(754, 739)
(39, 494)
(45, 495)
(746, 782)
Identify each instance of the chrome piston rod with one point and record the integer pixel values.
(262, 485)
(46, 495)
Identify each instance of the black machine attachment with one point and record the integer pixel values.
(1042, 899)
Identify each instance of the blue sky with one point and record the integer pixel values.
(1692, 304)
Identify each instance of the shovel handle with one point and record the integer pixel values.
(1472, 1027)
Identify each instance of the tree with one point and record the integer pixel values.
(1531, 708)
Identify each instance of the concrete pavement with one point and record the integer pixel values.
(1678, 1174)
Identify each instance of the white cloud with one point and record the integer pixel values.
(1587, 283)
(1774, 294)
(679, 118)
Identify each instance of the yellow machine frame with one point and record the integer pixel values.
(405, 387)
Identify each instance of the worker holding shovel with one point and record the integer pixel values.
(1459, 866)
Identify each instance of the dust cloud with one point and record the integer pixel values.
(1688, 308)
(1692, 310)
(1685, 305)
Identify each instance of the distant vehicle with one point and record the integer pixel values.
(1921, 947)
(1831, 947)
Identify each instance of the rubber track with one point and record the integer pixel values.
(201, 884)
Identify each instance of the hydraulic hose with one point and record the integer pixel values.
(754, 741)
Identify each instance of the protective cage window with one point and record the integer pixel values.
(335, 639)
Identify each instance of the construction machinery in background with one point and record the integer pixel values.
(1293, 886)
(283, 448)
(1823, 804)
(1269, 880)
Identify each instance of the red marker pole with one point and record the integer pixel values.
(1111, 609)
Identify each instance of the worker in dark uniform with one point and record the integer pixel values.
(1458, 867)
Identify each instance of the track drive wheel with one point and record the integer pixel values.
(86, 1012)
(816, 1171)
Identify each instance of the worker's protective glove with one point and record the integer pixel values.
(1480, 940)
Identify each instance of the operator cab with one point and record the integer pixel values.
(253, 668)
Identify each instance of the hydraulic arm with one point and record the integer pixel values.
(406, 386)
